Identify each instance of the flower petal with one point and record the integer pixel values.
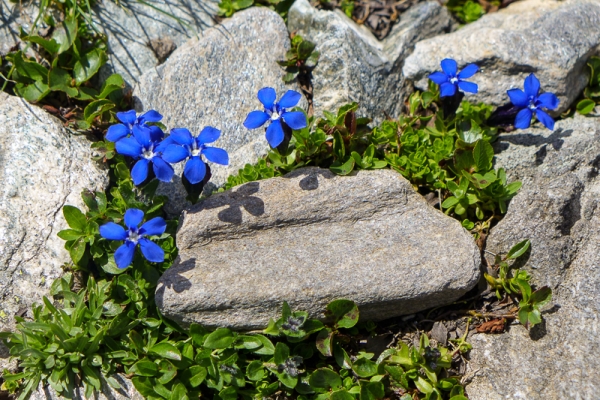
(216, 155)
(256, 119)
(532, 86)
(208, 135)
(175, 153)
(195, 170)
(548, 100)
(112, 231)
(467, 86)
(163, 171)
(468, 71)
(545, 119)
(151, 250)
(289, 99)
(523, 119)
(128, 147)
(162, 145)
(518, 97)
(447, 89)
(133, 217)
(449, 66)
(124, 254)
(438, 77)
(139, 172)
(267, 97)
(294, 119)
(156, 134)
(127, 117)
(150, 116)
(117, 132)
(182, 136)
(275, 134)
(141, 133)
(156, 226)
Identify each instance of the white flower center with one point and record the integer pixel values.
(195, 150)
(134, 236)
(532, 104)
(274, 116)
(148, 153)
(453, 80)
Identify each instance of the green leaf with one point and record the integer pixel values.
(255, 371)
(76, 249)
(364, 368)
(282, 353)
(96, 108)
(423, 385)
(541, 297)
(166, 350)
(324, 340)
(343, 169)
(324, 379)
(33, 92)
(49, 45)
(29, 69)
(339, 149)
(341, 395)
(60, 80)
(69, 234)
(371, 390)
(88, 65)
(344, 313)
(75, 218)
(305, 49)
(65, 34)
(111, 84)
(483, 154)
(144, 367)
(222, 338)
(518, 249)
(585, 106)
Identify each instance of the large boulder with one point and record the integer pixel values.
(311, 237)
(354, 65)
(43, 167)
(557, 209)
(212, 81)
(553, 39)
(139, 35)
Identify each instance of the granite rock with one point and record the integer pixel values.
(43, 167)
(127, 391)
(311, 237)
(354, 65)
(557, 209)
(213, 81)
(552, 39)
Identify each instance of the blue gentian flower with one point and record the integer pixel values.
(531, 102)
(192, 148)
(276, 113)
(146, 145)
(450, 81)
(129, 119)
(134, 236)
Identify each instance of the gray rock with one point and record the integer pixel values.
(354, 65)
(312, 237)
(43, 167)
(126, 392)
(213, 81)
(133, 29)
(552, 39)
(557, 209)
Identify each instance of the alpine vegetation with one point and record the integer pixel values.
(530, 101)
(450, 81)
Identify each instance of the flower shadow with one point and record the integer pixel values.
(238, 198)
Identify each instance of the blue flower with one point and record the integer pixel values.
(450, 81)
(134, 235)
(129, 119)
(192, 148)
(531, 102)
(146, 145)
(275, 113)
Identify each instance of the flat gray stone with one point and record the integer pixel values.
(354, 65)
(312, 237)
(43, 167)
(557, 209)
(129, 26)
(552, 39)
(127, 391)
(213, 81)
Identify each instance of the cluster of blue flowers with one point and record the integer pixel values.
(138, 137)
(528, 102)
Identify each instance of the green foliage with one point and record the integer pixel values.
(515, 282)
(451, 156)
(229, 7)
(347, 6)
(467, 11)
(300, 59)
(59, 68)
(591, 94)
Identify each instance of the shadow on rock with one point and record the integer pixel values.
(177, 281)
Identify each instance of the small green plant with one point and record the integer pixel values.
(300, 59)
(515, 283)
(591, 93)
(347, 6)
(229, 7)
(467, 11)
